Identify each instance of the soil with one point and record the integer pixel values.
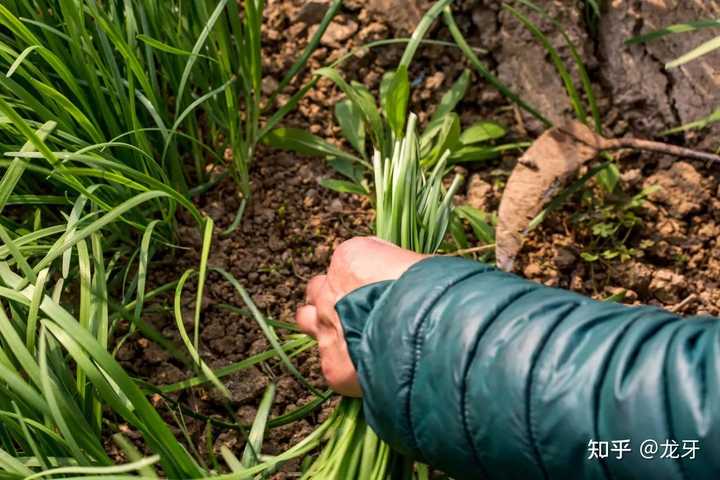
(668, 257)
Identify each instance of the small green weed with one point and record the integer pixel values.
(607, 222)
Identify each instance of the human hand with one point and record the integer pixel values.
(357, 262)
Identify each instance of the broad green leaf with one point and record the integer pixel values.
(448, 139)
(609, 177)
(474, 153)
(343, 186)
(616, 297)
(482, 132)
(351, 123)
(395, 100)
(303, 142)
(450, 100)
(481, 222)
(366, 105)
(347, 168)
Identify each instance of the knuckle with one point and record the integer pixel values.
(346, 249)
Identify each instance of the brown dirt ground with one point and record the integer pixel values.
(293, 224)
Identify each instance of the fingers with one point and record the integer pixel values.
(363, 260)
(314, 289)
(319, 319)
(337, 366)
(307, 319)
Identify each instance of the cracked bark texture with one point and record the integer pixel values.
(653, 98)
(630, 82)
(523, 63)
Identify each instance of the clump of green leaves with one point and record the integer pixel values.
(102, 106)
(412, 207)
(413, 210)
(174, 79)
(608, 223)
(369, 129)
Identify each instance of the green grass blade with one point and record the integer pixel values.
(206, 371)
(134, 455)
(48, 390)
(290, 346)
(266, 329)
(254, 442)
(32, 332)
(484, 72)
(233, 463)
(11, 465)
(20, 59)
(696, 125)
(312, 45)
(575, 99)
(421, 30)
(98, 224)
(202, 274)
(17, 167)
(174, 458)
(17, 255)
(579, 64)
(189, 109)
(677, 28)
(695, 53)
(128, 467)
(202, 38)
(164, 47)
(142, 267)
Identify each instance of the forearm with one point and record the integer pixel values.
(465, 366)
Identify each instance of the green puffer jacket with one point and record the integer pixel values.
(486, 375)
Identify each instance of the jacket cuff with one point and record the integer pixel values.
(354, 310)
(383, 326)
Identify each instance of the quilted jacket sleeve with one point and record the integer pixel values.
(486, 375)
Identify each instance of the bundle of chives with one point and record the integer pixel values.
(413, 210)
